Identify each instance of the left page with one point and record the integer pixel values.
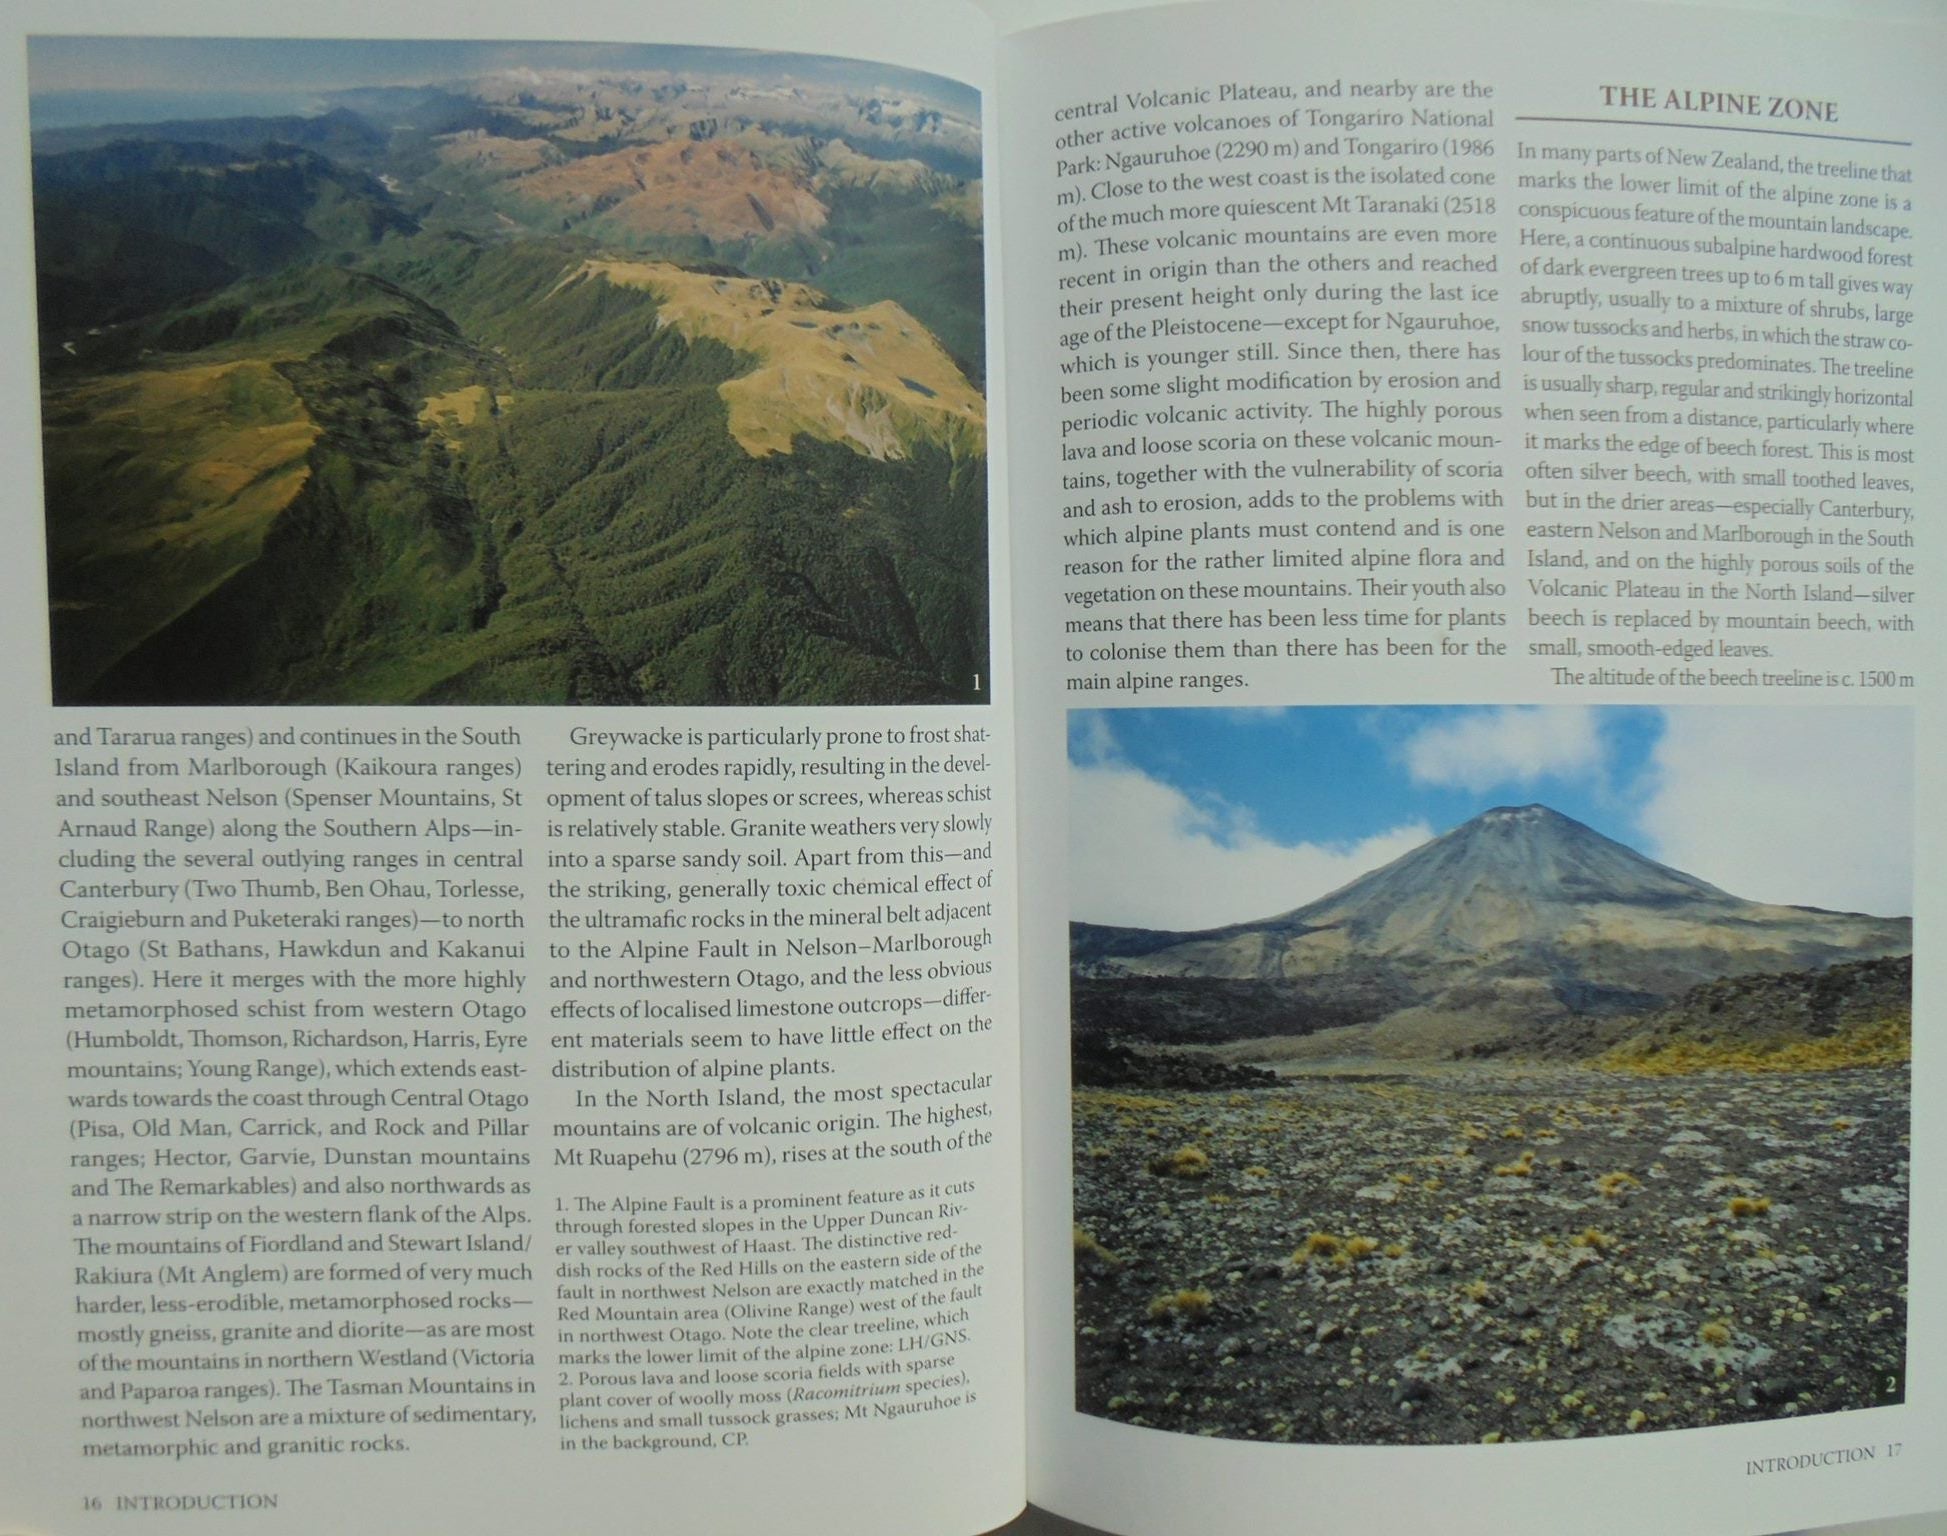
(592, 1100)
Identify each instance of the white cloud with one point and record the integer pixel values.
(1143, 854)
(1808, 806)
(1481, 749)
(1090, 737)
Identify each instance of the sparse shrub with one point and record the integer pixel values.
(1183, 1163)
(1743, 1205)
(1257, 1171)
(1339, 1252)
(1593, 1238)
(1715, 1334)
(1613, 1186)
(1088, 1249)
(1521, 1168)
(1187, 1304)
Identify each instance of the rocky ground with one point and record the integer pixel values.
(1372, 1253)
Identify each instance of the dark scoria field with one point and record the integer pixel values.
(1478, 1251)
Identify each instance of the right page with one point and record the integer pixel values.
(1474, 634)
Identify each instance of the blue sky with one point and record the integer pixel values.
(1194, 817)
(73, 81)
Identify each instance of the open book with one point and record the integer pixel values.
(1241, 830)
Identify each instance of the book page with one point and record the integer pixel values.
(507, 1115)
(1475, 593)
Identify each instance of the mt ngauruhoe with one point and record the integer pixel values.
(1517, 919)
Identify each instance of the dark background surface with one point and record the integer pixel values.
(1038, 1522)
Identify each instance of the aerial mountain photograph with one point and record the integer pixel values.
(508, 373)
(1491, 1074)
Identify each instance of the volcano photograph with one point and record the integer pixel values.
(1488, 1074)
(508, 373)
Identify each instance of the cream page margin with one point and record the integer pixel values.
(954, 1472)
(1545, 60)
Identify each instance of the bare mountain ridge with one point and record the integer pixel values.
(1517, 917)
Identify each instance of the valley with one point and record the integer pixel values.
(639, 385)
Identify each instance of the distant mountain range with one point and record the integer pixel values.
(1504, 927)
